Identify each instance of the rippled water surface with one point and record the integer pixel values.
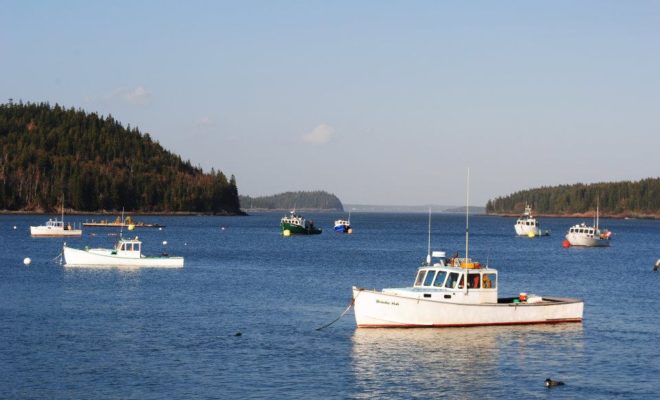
(153, 334)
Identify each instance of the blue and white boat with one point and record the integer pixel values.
(344, 225)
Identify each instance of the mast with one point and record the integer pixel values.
(428, 256)
(467, 231)
(597, 203)
(467, 216)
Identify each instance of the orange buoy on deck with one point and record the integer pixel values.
(566, 244)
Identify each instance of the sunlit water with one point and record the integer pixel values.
(153, 334)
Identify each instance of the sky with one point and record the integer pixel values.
(378, 102)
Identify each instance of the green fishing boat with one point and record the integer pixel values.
(294, 224)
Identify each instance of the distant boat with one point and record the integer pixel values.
(344, 225)
(458, 292)
(588, 236)
(126, 253)
(528, 225)
(120, 222)
(55, 228)
(296, 224)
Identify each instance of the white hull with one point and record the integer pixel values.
(524, 230)
(379, 310)
(106, 258)
(48, 231)
(586, 241)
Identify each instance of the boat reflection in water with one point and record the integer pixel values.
(460, 362)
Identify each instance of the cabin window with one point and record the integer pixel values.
(460, 281)
(122, 246)
(489, 281)
(420, 277)
(451, 280)
(429, 278)
(440, 278)
(474, 281)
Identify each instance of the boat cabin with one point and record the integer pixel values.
(445, 279)
(131, 248)
(57, 224)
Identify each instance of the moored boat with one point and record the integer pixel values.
(588, 236)
(55, 228)
(343, 225)
(126, 253)
(296, 224)
(440, 298)
(455, 293)
(528, 225)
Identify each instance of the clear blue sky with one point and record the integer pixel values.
(379, 102)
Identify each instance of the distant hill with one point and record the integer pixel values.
(616, 199)
(95, 163)
(316, 200)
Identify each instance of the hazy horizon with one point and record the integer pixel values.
(368, 100)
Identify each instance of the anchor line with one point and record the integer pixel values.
(352, 302)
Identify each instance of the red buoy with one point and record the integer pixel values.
(566, 244)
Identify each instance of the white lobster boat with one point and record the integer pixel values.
(528, 225)
(55, 228)
(439, 298)
(126, 253)
(588, 236)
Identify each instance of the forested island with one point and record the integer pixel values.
(638, 199)
(91, 163)
(314, 200)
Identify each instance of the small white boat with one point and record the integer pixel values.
(55, 228)
(588, 236)
(528, 225)
(439, 298)
(126, 253)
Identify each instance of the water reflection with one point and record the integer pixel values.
(410, 363)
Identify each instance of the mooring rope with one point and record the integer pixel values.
(350, 304)
(339, 317)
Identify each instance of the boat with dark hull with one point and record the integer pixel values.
(294, 224)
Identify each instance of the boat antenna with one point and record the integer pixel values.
(121, 223)
(467, 215)
(597, 203)
(428, 255)
(467, 229)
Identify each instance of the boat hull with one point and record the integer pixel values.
(299, 230)
(577, 240)
(106, 258)
(342, 228)
(524, 230)
(42, 231)
(375, 309)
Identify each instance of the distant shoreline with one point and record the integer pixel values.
(589, 215)
(117, 213)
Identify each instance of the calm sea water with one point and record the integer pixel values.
(153, 334)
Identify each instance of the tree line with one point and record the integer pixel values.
(53, 156)
(613, 198)
(313, 200)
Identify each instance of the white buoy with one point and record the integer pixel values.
(160, 229)
(27, 261)
(164, 242)
(14, 227)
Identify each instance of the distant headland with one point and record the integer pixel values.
(301, 200)
(625, 199)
